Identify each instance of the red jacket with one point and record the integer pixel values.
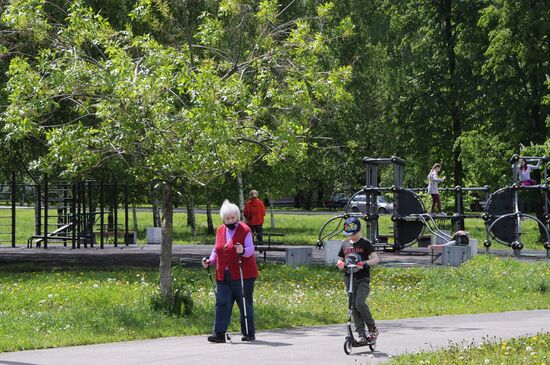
(227, 254)
(254, 211)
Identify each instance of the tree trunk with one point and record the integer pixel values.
(156, 213)
(446, 7)
(271, 210)
(241, 194)
(134, 217)
(209, 223)
(191, 220)
(166, 244)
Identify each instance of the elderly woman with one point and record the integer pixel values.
(233, 244)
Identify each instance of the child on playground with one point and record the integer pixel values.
(433, 182)
(525, 172)
(356, 249)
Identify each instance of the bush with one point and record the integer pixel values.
(180, 305)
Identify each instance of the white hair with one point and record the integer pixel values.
(228, 207)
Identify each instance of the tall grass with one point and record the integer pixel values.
(298, 229)
(60, 307)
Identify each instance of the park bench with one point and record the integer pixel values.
(131, 238)
(269, 245)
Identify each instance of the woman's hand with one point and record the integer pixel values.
(239, 248)
(205, 263)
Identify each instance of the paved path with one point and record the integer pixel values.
(318, 345)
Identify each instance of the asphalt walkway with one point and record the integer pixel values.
(317, 345)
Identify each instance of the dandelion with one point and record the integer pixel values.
(486, 361)
(96, 285)
(50, 296)
(528, 348)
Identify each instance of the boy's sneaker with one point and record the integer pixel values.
(373, 335)
(248, 338)
(217, 337)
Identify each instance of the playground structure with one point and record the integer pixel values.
(75, 213)
(502, 214)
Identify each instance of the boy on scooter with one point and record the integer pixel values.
(359, 251)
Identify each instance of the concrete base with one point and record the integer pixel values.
(454, 255)
(296, 256)
(154, 235)
(332, 247)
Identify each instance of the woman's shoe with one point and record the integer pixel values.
(217, 338)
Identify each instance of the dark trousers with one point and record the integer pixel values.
(436, 201)
(228, 292)
(258, 232)
(361, 312)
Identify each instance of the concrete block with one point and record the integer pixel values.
(154, 235)
(454, 255)
(332, 247)
(296, 256)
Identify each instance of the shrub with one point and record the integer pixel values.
(181, 304)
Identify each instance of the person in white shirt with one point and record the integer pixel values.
(433, 181)
(525, 173)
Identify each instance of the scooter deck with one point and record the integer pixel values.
(362, 344)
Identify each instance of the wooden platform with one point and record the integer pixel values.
(191, 255)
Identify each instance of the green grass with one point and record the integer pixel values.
(298, 229)
(69, 307)
(519, 351)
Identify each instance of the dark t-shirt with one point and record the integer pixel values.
(359, 251)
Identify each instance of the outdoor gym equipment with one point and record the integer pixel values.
(77, 210)
(350, 341)
(503, 214)
(409, 218)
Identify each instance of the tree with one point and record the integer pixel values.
(244, 87)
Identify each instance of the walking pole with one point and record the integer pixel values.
(210, 277)
(242, 295)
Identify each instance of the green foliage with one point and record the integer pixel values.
(181, 304)
(523, 350)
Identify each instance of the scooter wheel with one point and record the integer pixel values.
(348, 345)
(372, 347)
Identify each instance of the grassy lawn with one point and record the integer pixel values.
(519, 351)
(298, 229)
(68, 307)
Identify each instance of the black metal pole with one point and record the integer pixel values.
(91, 217)
(73, 216)
(126, 238)
(13, 191)
(459, 207)
(79, 213)
(115, 209)
(46, 211)
(101, 211)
